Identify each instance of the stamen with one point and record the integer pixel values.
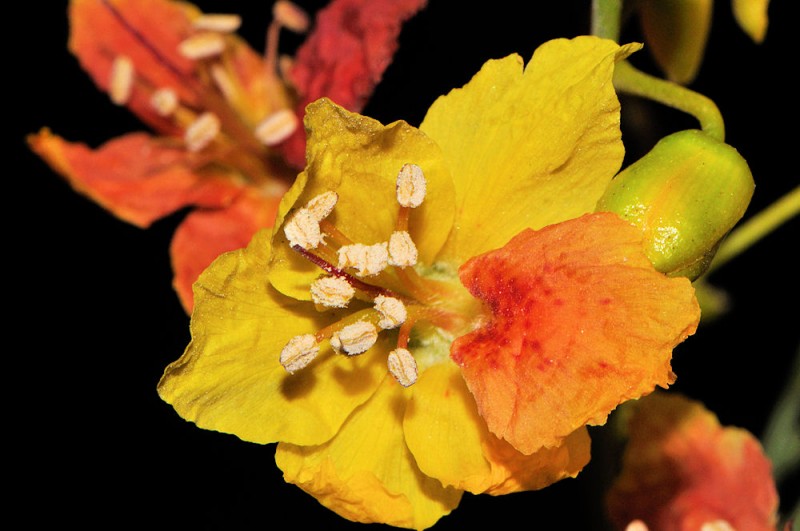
(392, 310)
(121, 85)
(285, 65)
(303, 230)
(223, 82)
(355, 339)
(636, 525)
(367, 260)
(277, 127)
(202, 131)
(217, 22)
(411, 186)
(332, 292)
(290, 16)
(202, 45)
(402, 251)
(164, 101)
(403, 366)
(322, 205)
(299, 352)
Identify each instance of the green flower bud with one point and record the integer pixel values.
(686, 194)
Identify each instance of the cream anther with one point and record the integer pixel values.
(121, 83)
(202, 131)
(367, 260)
(636, 525)
(277, 127)
(355, 338)
(290, 16)
(403, 366)
(392, 310)
(217, 22)
(299, 352)
(202, 45)
(411, 186)
(402, 251)
(303, 230)
(164, 101)
(333, 292)
(322, 205)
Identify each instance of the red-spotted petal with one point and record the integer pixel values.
(579, 322)
(136, 177)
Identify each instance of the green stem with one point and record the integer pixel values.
(632, 81)
(606, 17)
(758, 226)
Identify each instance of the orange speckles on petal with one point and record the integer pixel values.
(580, 322)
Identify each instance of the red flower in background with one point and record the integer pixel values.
(227, 121)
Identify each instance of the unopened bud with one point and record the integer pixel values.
(686, 194)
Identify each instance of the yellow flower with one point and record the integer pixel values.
(439, 310)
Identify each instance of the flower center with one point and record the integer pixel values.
(220, 124)
(429, 303)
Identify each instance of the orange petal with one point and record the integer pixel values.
(580, 322)
(136, 177)
(681, 470)
(205, 234)
(345, 56)
(146, 31)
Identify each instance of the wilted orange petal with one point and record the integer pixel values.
(344, 58)
(682, 469)
(580, 322)
(148, 32)
(205, 234)
(134, 176)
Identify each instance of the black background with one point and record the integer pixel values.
(94, 320)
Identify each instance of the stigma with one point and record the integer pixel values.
(355, 277)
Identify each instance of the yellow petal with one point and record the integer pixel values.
(529, 148)
(359, 158)
(230, 378)
(442, 411)
(366, 473)
(751, 15)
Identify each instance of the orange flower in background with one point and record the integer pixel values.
(227, 120)
(683, 471)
